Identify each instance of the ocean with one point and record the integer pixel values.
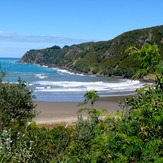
(51, 84)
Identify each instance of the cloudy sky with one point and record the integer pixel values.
(35, 24)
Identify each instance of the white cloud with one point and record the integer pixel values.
(6, 33)
(13, 37)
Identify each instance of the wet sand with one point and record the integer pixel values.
(58, 112)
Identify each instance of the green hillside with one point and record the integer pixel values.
(100, 58)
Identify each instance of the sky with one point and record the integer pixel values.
(37, 24)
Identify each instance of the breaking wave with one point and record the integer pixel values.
(73, 86)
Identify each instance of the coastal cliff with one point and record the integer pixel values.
(100, 58)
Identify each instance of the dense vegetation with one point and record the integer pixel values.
(102, 58)
(133, 134)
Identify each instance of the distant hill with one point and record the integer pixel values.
(100, 58)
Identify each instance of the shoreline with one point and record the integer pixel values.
(52, 113)
(147, 79)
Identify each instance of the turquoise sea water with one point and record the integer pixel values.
(50, 84)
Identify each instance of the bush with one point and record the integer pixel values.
(16, 105)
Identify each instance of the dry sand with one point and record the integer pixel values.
(58, 112)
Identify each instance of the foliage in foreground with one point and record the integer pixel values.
(16, 105)
(133, 135)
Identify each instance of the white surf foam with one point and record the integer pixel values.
(73, 86)
(63, 71)
(41, 76)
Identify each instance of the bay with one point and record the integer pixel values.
(51, 84)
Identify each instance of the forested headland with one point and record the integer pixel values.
(107, 58)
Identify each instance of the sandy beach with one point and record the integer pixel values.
(58, 112)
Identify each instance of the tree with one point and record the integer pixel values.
(16, 105)
(148, 56)
(91, 97)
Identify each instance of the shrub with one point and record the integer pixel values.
(16, 105)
